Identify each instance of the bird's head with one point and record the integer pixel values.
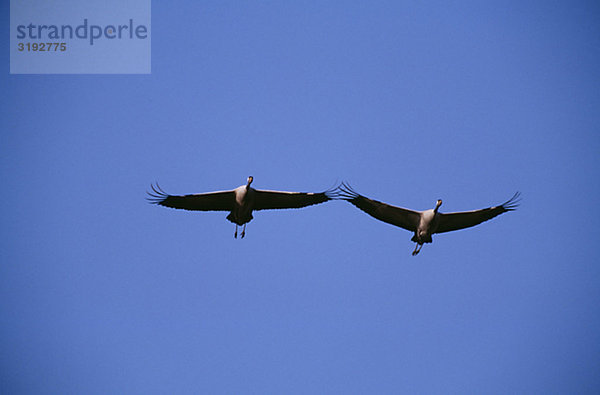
(250, 179)
(438, 204)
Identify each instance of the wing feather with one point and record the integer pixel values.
(211, 201)
(267, 200)
(398, 216)
(461, 220)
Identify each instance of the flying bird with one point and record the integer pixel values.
(425, 223)
(240, 202)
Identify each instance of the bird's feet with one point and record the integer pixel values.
(242, 234)
(417, 250)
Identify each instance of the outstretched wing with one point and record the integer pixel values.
(455, 221)
(212, 201)
(398, 216)
(267, 200)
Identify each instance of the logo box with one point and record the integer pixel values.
(80, 37)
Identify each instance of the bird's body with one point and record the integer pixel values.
(427, 226)
(424, 223)
(241, 213)
(240, 202)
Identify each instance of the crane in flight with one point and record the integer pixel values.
(240, 202)
(425, 223)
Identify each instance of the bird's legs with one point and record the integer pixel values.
(241, 234)
(417, 249)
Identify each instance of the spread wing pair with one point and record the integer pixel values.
(243, 200)
(425, 223)
(240, 202)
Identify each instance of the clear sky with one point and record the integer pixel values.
(101, 292)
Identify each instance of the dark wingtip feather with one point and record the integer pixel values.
(157, 196)
(332, 193)
(345, 192)
(512, 203)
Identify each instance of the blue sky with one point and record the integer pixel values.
(469, 102)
